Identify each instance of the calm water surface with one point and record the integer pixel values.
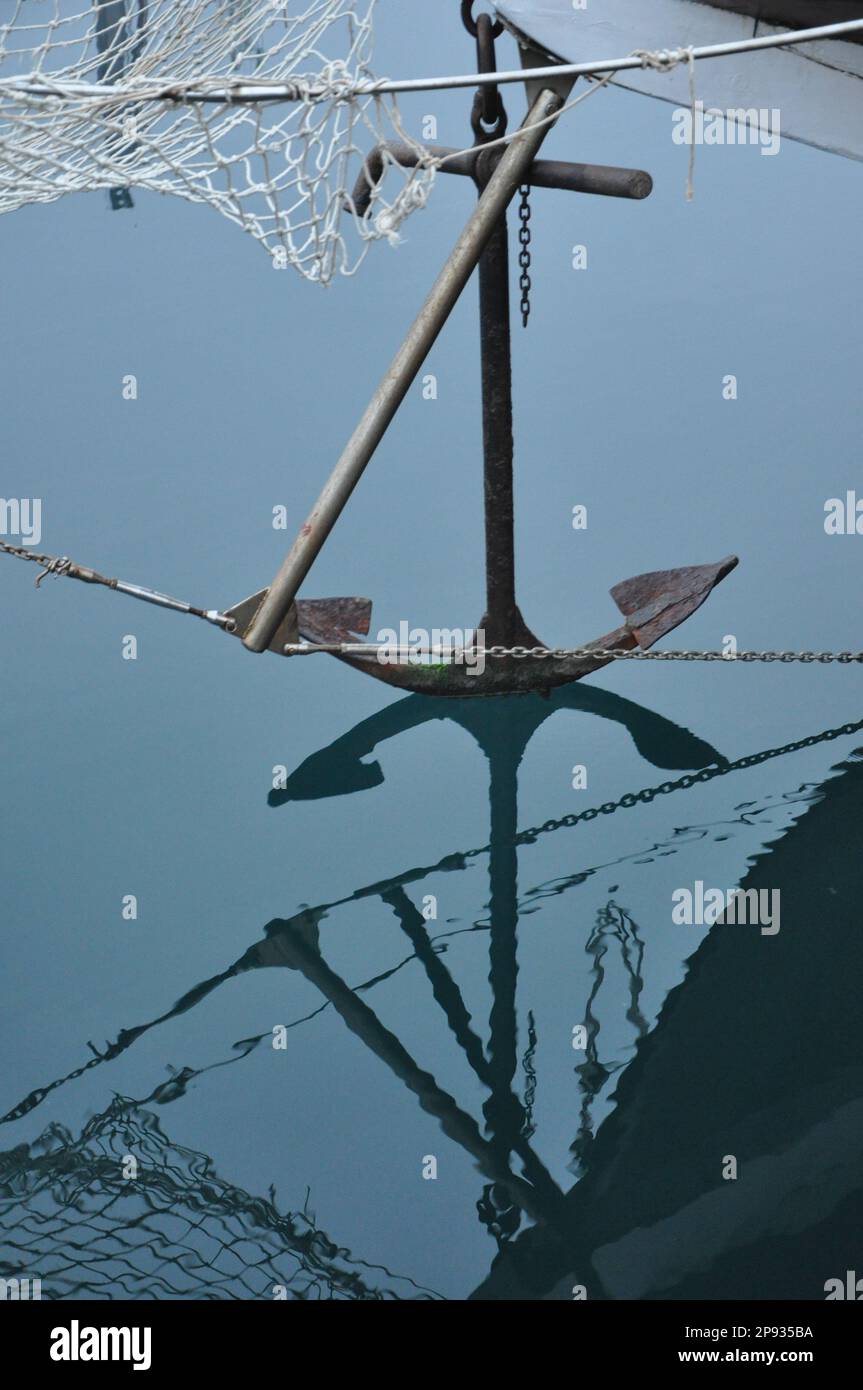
(419, 908)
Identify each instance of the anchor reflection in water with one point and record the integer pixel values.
(294, 943)
(503, 736)
(560, 1234)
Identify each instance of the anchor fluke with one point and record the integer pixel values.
(654, 604)
(318, 620)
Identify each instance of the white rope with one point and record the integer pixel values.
(415, 195)
(440, 160)
(663, 61)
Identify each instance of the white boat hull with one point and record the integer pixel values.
(817, 87)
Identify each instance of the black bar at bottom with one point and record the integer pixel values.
(234, 1337)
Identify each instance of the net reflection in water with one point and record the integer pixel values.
(70, 1216)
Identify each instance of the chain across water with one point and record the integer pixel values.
(62, 566)
(459, 654)
(636, 654)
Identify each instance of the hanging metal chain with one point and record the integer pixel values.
(524, 236)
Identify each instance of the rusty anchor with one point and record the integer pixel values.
(652, 604)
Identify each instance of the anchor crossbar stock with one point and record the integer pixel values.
(499, 192)
(599, 179)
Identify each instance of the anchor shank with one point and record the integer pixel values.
(497, 435)
(502, 623)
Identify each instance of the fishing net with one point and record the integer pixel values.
(176, 1230)
(176, 96)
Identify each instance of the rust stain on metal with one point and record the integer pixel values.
(325, 620)
(653, 605)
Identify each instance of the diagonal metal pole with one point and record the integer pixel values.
(541, 1203)
(498, 194)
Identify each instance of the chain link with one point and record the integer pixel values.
(524, 236)
(65, 568)
(457, 654)
(471, 24)
(636, 654)
(52, 564)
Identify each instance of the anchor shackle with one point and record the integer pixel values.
(472, 25)
(488, 115)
